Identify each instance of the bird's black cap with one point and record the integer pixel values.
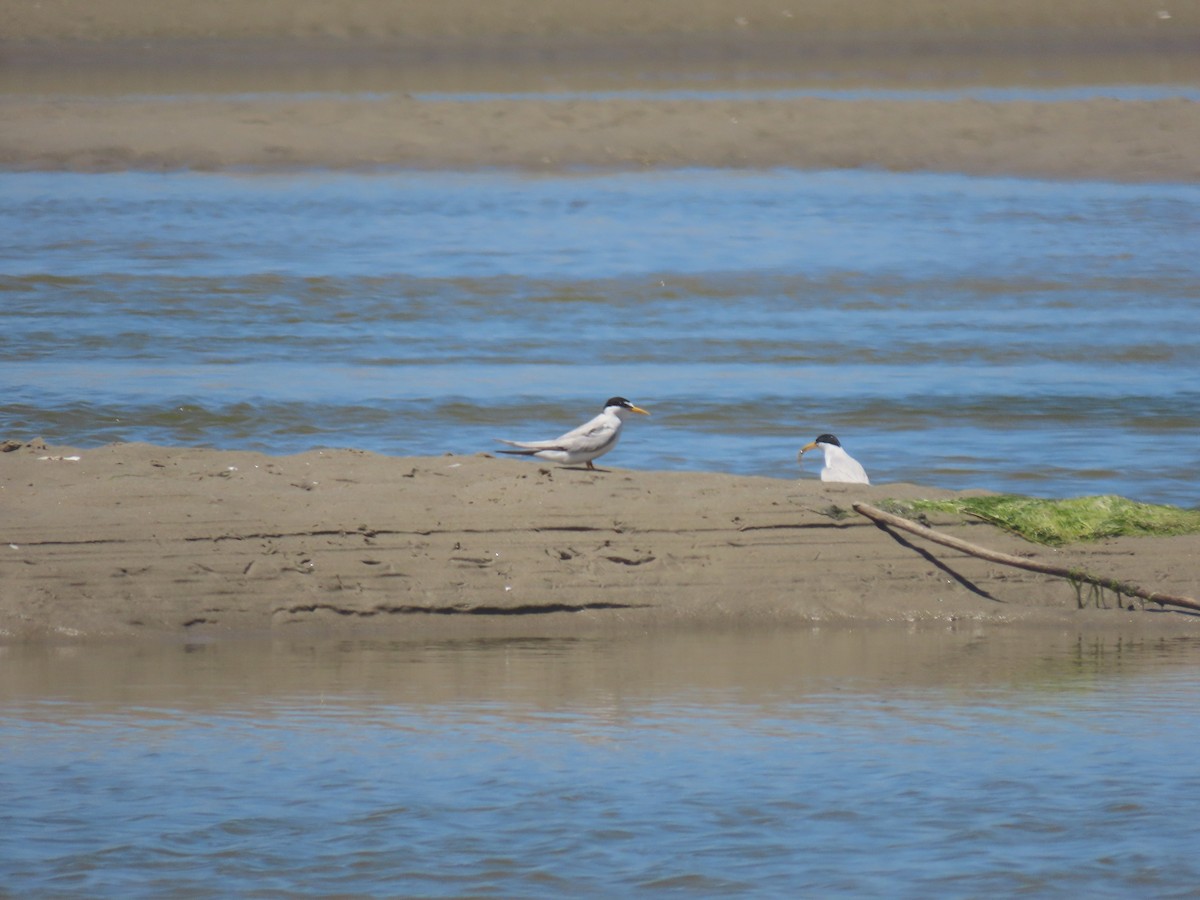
(827, 439)
(617, 401)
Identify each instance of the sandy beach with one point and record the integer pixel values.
(136, 540)
(164, 86)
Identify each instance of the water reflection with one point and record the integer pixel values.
(832, 762)
(743, 667)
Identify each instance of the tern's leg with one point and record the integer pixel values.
(590, 466)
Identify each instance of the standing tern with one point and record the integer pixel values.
(839, 465)
(585, 443)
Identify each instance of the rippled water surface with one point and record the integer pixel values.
(851, 763)
(1018, 335)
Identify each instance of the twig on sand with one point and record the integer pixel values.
(1075, 576)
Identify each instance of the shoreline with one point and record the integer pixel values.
(133, 541)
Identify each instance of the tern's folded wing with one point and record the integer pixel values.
(535, 445)
(597, 431)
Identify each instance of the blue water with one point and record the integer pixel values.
(1015, 335)
(790, 764)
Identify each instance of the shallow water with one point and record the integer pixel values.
(1016, 335)
(797, 763)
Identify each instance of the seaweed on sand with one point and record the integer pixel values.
(1058, 522)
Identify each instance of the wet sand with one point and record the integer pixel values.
(270, 86)
(137, 540)
(1100, 139)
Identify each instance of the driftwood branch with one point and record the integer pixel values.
(1075, 576)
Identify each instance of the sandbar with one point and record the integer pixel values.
(136, 540)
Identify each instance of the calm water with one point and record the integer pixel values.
(828, 763)
(1017, 335)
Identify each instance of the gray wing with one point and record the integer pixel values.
(590, 435)
(594, 435)
(533, 445)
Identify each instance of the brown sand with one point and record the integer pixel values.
(133, 539)
(462, 19)
(1105, 139)
(150, 84)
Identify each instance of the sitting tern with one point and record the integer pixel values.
(585, 443)
(839, 465)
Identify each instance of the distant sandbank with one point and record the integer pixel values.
(1099, 139)
(274, 86)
